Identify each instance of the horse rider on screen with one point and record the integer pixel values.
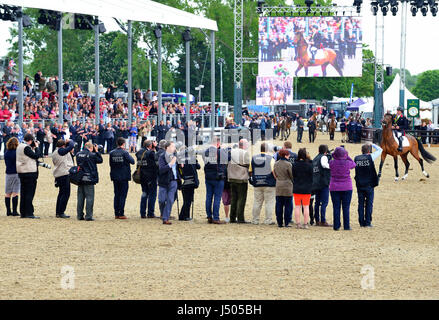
(316, 41)
(400, 124)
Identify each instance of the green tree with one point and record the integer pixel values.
(427, 85)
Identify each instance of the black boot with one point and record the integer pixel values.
(8, 206)
(400, 144)
(313, 59)
(15, 206)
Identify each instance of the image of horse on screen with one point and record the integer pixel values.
(311, 46)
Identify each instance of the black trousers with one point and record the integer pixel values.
(299, 135)
(188, 198)
(28, 185)
(46, 148)
(120, 196)
(312, 136)
(63, 183)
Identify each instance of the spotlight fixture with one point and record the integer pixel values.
(158, 31)
(424, 10)
(394, 7)
(261, 6)
(384, 6)
(433, 7)
(187, 35)
(358, 3)
(374, 7)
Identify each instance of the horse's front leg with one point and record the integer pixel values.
(395, 161)
(383, 158)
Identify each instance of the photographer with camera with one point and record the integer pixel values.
(28, 154)
(264, 185)
(321, 178)
(188, 171)
(87, 160)
(215, 163)
(62, 162)
(237, 171)
(167, 180)
(146, 160)
(366, 179)
(120, 173)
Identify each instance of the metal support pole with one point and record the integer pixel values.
(188, 81)
(212, 78)
(150, 78)
(20, 69)
(238, 37)
(130, 74)
(97, 95)
(221, 81)
(60, 77)
(402, 54)
(378, 108)
(159, 78)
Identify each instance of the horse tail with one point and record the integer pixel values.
(425, 154)
(339, 61)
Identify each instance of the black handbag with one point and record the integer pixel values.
(76, 174)
(136, 174)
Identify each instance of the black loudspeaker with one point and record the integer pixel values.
(388, 71)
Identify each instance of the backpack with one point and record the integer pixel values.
(316, 174)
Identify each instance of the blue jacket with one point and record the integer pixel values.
(120, 161)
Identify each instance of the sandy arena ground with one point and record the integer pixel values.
(143, 259)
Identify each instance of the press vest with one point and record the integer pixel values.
(365, 172)
(24, 163)
(262, 175)
(61, 164)
(321, 176)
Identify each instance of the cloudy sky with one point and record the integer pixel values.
(422, 37)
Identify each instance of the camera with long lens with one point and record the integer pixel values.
(44, 165)
(100, 148)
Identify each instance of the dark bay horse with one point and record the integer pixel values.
(390, 146)
(331, 57)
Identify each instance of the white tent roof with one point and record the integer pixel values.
(135, 10)
(391, 99)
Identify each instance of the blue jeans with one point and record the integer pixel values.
(214, 191)
(322, 199)
(365, 201)
(284, 210)
(149, 196)
(120, 196)
(341, 200)
(167, 197)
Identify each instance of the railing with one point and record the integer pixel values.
(427, 136)
(202, 120)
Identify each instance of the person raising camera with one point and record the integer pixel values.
(120, 174)
(62, 162)
(28, 154)
(146, 160)
(87, 160)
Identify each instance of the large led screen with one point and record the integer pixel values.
(310, 46)
(274, 90)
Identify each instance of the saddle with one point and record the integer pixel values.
(405, 141)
